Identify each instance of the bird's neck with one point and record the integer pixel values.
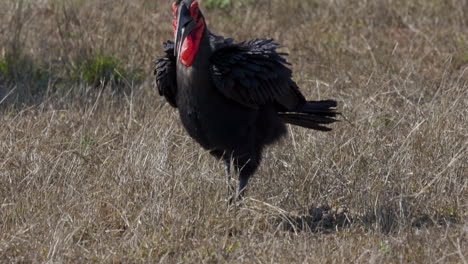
(200, 67)
(193, 42)
(203, 53)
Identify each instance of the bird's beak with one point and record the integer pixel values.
(185, 24)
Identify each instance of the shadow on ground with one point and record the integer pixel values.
(325, 219)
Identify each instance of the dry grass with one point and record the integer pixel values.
(99, 175)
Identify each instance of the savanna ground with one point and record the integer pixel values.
(95, 166)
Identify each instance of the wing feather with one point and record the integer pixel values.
(252, 73)
(165, 74)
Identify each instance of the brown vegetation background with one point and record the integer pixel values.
(95, 166)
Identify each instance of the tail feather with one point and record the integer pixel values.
(312, 114)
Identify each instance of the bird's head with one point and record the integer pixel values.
(188, 25)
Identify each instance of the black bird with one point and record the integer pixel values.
(233, 98)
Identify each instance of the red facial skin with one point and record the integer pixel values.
(191, 43)
(174, 21)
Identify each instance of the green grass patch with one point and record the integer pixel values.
(100, 69)
(227, 4)
(32, 78)
(22, 70)
(218, 3)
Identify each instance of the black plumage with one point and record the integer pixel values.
(164, 70)
(234, 98)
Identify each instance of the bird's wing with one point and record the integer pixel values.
(252, 73)
(165, 73)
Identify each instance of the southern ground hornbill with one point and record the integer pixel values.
(233, 98)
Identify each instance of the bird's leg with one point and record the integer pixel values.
(241, 188)
(246, 166)
(227, 168)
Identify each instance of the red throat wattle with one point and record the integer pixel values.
(191, 43)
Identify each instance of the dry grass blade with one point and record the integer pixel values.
(95, 166)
